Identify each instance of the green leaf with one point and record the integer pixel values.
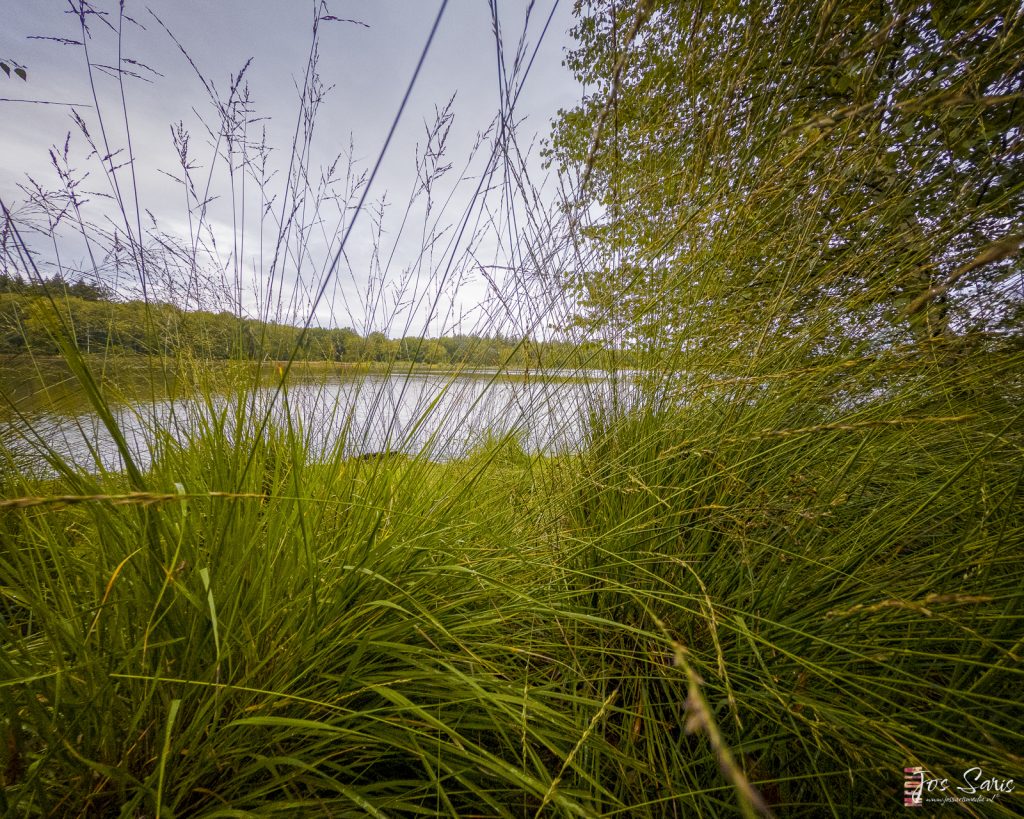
(21, 72)
(6, 69)
(944, 20)
(205, 575)
(171, 716)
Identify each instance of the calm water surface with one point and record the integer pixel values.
(437, 413)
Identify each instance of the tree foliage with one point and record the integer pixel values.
(33, 315)
(764, 171)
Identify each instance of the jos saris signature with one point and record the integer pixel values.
(973, 785)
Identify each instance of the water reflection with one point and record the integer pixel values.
(442, 415)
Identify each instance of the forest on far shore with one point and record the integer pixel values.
(100, 322)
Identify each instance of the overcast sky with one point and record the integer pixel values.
(368, 64)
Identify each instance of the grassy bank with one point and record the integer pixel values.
(724, 607)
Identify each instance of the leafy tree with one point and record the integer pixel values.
(343, 340)
(11, 284)
(760, 166)
(434, 352)
(12, 333)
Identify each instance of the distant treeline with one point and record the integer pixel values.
(99, 322)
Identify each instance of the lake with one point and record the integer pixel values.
(443, 415)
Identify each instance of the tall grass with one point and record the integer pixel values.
(749, 590)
